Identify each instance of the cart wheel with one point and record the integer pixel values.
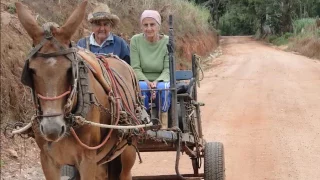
(214, 168)
(69, 173)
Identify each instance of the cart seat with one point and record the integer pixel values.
(185, 81)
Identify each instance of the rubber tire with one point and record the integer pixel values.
(69, 172)
(214, 165)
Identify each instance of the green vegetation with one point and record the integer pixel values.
(307, 37)
(280, 40)
(281, 22)
(240, 17)
(300, 25)
(12, 8)
(1, 163)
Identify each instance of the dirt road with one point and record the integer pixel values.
(264, 105)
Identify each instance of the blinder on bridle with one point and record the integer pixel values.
(70, 53)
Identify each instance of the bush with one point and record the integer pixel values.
(12, 8)
(287, 35)
(307, 38)
(308, 46)
(272, 38)
(280, 41)
(301, 25)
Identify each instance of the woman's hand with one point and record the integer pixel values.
(152, 85)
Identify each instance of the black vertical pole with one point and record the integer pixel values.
(172, 66)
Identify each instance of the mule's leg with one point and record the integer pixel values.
(50, 169)
(128, 158)
(87, 170)
(114, 168)
(102, 172)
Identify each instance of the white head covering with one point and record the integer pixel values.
(151, 14)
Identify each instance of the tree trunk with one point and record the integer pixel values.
(286, 20)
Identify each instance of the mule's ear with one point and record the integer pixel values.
(29, 23)
(75, 19)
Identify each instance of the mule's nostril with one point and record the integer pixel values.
(62, 131)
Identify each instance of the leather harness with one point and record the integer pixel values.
(80, 88)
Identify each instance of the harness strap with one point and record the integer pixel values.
(115, 104)
(36, 49)
(118, 99)
(122, 84)
(58, 53)
(70, 53)
(116, 88)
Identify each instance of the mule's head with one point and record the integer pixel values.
(50, 69)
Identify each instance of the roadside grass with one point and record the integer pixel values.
(280, 40)
(308, 46)
(305, 38)
(301, 26)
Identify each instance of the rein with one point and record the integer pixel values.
(70, 53)
(117, 107)
(115, 84)
(80, 87)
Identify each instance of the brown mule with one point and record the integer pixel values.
(53, 70)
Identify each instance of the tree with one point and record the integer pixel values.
(217, 8)
(248, 16)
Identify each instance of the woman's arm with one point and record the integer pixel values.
(165, 74)
(135, 60)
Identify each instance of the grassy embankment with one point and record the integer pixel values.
(305, 38)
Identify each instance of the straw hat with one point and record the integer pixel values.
(102, 12)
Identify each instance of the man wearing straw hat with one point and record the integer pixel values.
(101, 40)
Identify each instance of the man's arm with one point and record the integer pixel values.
(82, 43)
(125, 51)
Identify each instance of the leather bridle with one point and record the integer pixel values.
(70, 53)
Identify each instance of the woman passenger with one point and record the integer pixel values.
(150, 61)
